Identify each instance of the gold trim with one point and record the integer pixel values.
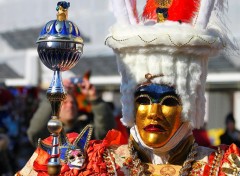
(110, 164)
(58, 96)
(144, 95)
(150, 41)
(180, 45)
(216, 162)
(185, 169)
(171, 96)
(164, 98)
(90, 127)
(164, 3)
(170, 39)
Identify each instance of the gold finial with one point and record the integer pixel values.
(62, 9)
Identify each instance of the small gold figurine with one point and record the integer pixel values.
(162, 10)
(62, 9)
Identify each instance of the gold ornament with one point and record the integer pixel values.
(141, 168)
(164, 3)
(62, 14)
(160, 17)
(162, 10)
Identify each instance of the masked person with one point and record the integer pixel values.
(163, 68)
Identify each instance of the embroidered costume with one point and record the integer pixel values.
(112, 157)
(162, 61)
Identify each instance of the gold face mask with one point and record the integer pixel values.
(158, 115)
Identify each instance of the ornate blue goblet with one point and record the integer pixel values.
(60, 47)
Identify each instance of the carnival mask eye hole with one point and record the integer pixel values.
(79, 155)
(143, 100)
(71, 157)
(170, 101)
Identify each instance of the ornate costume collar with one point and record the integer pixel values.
(190, 156)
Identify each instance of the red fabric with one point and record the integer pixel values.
(232, 149)
(95, 163)
(40, 164)
(123, 130)
(207, 167)
(180, 10)
(201, 137)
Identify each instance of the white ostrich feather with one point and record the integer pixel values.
(120, 11)
(202, 19)
(123, 11)
(218, 24)
(130, 8)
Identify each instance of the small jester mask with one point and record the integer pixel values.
(73, 154)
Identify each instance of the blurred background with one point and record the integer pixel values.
(23, 79)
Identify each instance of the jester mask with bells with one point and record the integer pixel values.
(73, 154)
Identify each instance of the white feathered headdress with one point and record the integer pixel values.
(175, 49)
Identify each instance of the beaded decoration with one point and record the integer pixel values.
(216, 162)
(136, 167)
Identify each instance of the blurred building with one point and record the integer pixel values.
(22, 20)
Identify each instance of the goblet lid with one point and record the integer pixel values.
(60, 29)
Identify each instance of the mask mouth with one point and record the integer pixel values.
(155, 128)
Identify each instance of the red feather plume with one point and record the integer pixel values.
(180, 10)
(149, 11)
